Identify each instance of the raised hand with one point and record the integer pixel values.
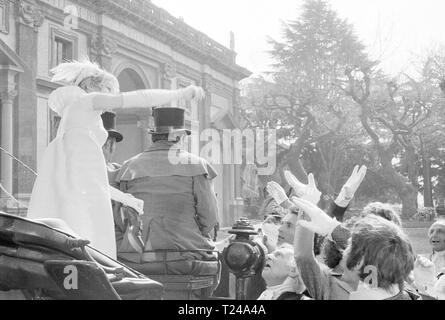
(350, 187)
(308, 192)
(277, 192)
(316, 220)
(193, 93)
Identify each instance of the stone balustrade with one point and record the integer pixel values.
(164, 20)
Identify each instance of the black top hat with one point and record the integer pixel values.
(168, 120)
(109, 121)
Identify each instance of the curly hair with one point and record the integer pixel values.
(332, 255)
(379, 243)
(383, 210)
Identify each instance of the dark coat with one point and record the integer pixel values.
(180, 206)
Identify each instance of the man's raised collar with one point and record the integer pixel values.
(162, 145)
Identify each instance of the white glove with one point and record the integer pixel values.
(320, 222)
(277, 192)
(350, 187)
(424, 274)
(193, 93)
(134, 203)
(308, 192)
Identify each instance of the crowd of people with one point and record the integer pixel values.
(323, 256)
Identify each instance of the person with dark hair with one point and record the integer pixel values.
(383, 210)
(321, 282)
(127, 224)
(380, 244)
(332, 254)
(378, 258)
(109, 147)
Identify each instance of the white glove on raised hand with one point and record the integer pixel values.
(308, 192)
(277, 192)
(320, 222)
(193, 93)
(350, 187)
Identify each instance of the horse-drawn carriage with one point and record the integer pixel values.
(41, 262)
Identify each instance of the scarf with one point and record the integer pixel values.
(274, 292)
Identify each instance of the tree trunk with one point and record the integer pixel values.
(297, 169)
(409, 202)
(427, 188)
(406, 191)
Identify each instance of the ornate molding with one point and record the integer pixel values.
(102, 46)
(168, 70)
(8, 95)
(4, 27)
(29, 13)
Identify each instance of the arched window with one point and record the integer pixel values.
(130, 80)
(132, 123)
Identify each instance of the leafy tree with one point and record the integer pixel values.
(401, 119)
(302, 101)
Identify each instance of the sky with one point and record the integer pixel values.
(396, 32)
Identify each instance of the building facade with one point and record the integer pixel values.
(140, 43)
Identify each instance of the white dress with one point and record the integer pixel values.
(72, 183)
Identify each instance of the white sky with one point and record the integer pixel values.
(397, 32)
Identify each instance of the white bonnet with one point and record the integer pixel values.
(73, 73)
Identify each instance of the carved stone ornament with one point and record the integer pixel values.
(8, 95)
(29, 13)
(169, 70)
(207, 83)
(101, 46)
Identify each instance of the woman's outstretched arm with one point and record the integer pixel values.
(142, 98)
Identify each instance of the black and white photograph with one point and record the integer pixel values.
(222, 154)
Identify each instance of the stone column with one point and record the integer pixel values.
(205, 115)
(102, 47)
(7, 97)
(28, 19)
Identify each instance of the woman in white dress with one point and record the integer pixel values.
(72, 183)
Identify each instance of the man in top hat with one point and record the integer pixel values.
(114, 137)
(126, 221)
(180, 206)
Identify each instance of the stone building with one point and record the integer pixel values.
(142, 44)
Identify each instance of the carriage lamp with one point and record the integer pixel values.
(244, 256)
